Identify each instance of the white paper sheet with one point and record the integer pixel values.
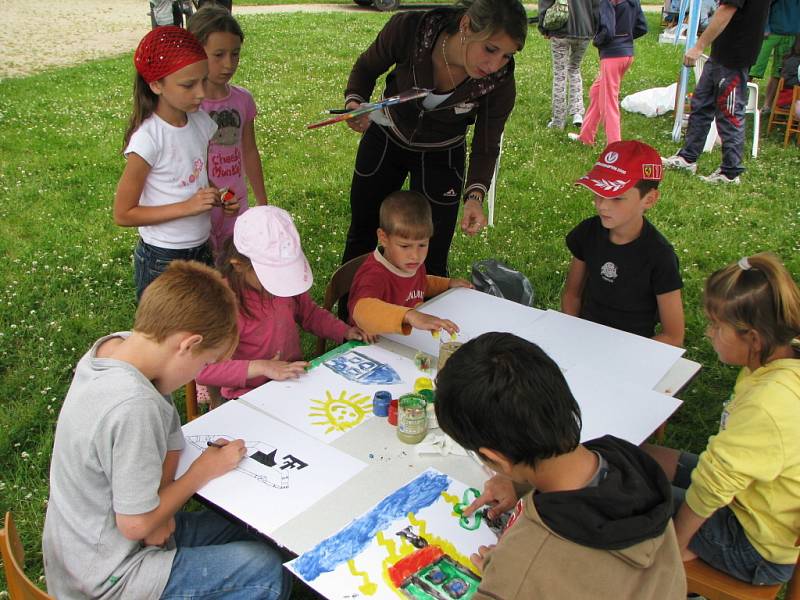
(617, 407)
(474, 312)
(285, 472)
(324, 404)
(619, 355)
(383, 547)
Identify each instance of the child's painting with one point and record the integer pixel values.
(283, 473)
(336, 396)
(413, 544)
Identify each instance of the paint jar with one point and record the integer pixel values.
(422, 383)
(430, 399)
(393, 412)
(380, 403)
(412, 419)
(446, 350)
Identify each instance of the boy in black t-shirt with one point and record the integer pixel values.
(624, 273)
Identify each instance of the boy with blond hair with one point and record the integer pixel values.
(112, 528)
(624, 273)
(392, 280)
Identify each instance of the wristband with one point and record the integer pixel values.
(474, 195)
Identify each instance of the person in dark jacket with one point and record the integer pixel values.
(568, 47)
(619, 23)
(464, 54)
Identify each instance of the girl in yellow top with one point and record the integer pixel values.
(741, 512)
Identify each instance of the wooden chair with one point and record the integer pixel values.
(19, 586)
(192, 411)
(705, 580)
(778, 116)
(793, 123)
(338, 286)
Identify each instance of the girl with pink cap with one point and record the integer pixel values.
(265, 265)
(164, 189)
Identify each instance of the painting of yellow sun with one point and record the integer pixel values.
(340, 413)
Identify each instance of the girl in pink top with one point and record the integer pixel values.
(232, 152)
(265, 265)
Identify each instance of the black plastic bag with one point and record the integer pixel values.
(498, 279)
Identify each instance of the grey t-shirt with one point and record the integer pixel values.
(112, 437)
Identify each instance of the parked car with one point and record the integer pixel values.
(385, 5)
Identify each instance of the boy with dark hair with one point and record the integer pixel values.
(597, 521)
(392, 280)
(624, 273)
(112, 528)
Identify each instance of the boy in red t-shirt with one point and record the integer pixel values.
(392, 280)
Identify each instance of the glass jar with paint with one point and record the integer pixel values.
(430, 399)
(412, 419)
(446, 350)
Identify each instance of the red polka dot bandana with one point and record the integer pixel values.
(165, 50)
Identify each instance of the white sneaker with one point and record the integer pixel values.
(676, 161)
(719, 177)
(575, 137)
(577, 120)
(552, 125)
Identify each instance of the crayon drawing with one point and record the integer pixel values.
(412, 544)
(260, 463)
(282, 474)
(340, 413)
(325, 404)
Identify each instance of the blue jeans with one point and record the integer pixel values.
(219, 559)
(721, 541)
(151, 261)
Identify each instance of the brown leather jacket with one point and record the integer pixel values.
(406, 42)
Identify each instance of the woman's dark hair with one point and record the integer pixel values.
(487, 17)
(504, 393)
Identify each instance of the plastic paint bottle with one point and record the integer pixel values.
(422, 383)
(380, 403)
(412, 419)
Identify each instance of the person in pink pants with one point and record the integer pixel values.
(620, 22)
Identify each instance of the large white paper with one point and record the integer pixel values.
(617, 407)
(474, 312)
(326, 404)
(284, 473)
(621, 356)
(410, 543)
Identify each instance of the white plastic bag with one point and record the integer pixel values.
(652, 102)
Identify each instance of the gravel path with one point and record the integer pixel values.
(40, 34)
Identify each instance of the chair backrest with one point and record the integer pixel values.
(191, 401)
(19, 586)
(338, 286)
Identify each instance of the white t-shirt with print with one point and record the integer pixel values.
(177, 157)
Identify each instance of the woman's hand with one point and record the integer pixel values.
(358, 124)
(473, 219)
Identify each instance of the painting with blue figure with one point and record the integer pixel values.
(350, 541)
(360, 368)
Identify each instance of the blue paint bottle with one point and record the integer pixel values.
(380, 403)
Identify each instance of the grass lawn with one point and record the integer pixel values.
(67, 272)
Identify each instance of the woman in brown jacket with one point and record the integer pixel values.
(464, 53)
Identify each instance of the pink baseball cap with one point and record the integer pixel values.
(621, 166)
(267, 236)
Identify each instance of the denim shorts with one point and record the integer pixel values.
(721, 540)
(151, 261)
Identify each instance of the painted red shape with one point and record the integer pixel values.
(412, 563)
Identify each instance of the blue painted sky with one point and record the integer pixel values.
(350, 541)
